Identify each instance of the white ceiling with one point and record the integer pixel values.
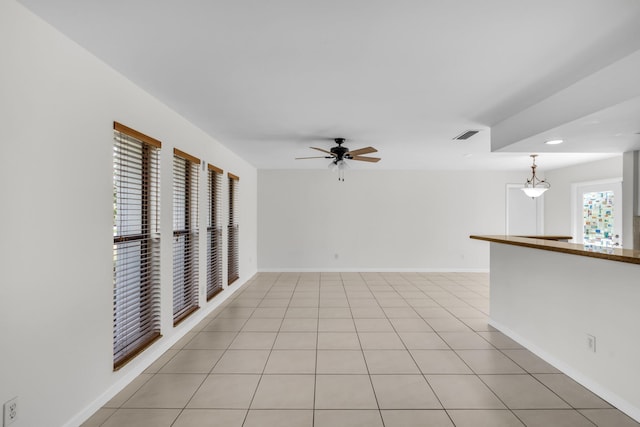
(271, 78)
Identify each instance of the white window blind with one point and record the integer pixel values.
(214, 232)
(136, 243)
(185, 235)
(233, 231)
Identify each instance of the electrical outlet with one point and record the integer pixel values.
(10, 411)
(591, 343)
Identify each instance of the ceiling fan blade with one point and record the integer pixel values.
(365, 150)
(316, 157)
(323, 150)
(366, 159)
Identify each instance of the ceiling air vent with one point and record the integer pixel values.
(466, 135)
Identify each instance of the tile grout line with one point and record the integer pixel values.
(476, 375)
(366, 364)
(251, 284)
(416, 363)
(246, 415)
(315, 373)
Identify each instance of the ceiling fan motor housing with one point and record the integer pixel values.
(340, 152)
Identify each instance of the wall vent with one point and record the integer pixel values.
(466, 135)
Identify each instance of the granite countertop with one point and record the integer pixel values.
(547, 244)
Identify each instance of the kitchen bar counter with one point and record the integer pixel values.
(548, 244)
(557, 299)
(559, 238)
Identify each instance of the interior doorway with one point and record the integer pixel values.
(524, 215)
(597, 214)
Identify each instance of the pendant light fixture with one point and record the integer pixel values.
(534, 187)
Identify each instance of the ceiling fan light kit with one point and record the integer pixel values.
(339, 156)
(535, 187)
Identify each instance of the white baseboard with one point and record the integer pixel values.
(606, 394)
(372, 270)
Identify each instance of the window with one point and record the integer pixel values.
(598, 209)
(136, 243)
(233, 231)
(598, 223)
(185, 235)
(214, 232)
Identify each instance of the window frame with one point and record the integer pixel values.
(233, 231)
(136, 272)
(214, 231)
(186, 237)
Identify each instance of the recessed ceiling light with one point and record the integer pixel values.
(554, 141)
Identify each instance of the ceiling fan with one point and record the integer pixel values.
(339, 154)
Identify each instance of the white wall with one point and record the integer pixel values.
(57, 106)
(378, 220)
(557, 201)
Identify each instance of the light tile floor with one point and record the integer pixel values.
(354, 349)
